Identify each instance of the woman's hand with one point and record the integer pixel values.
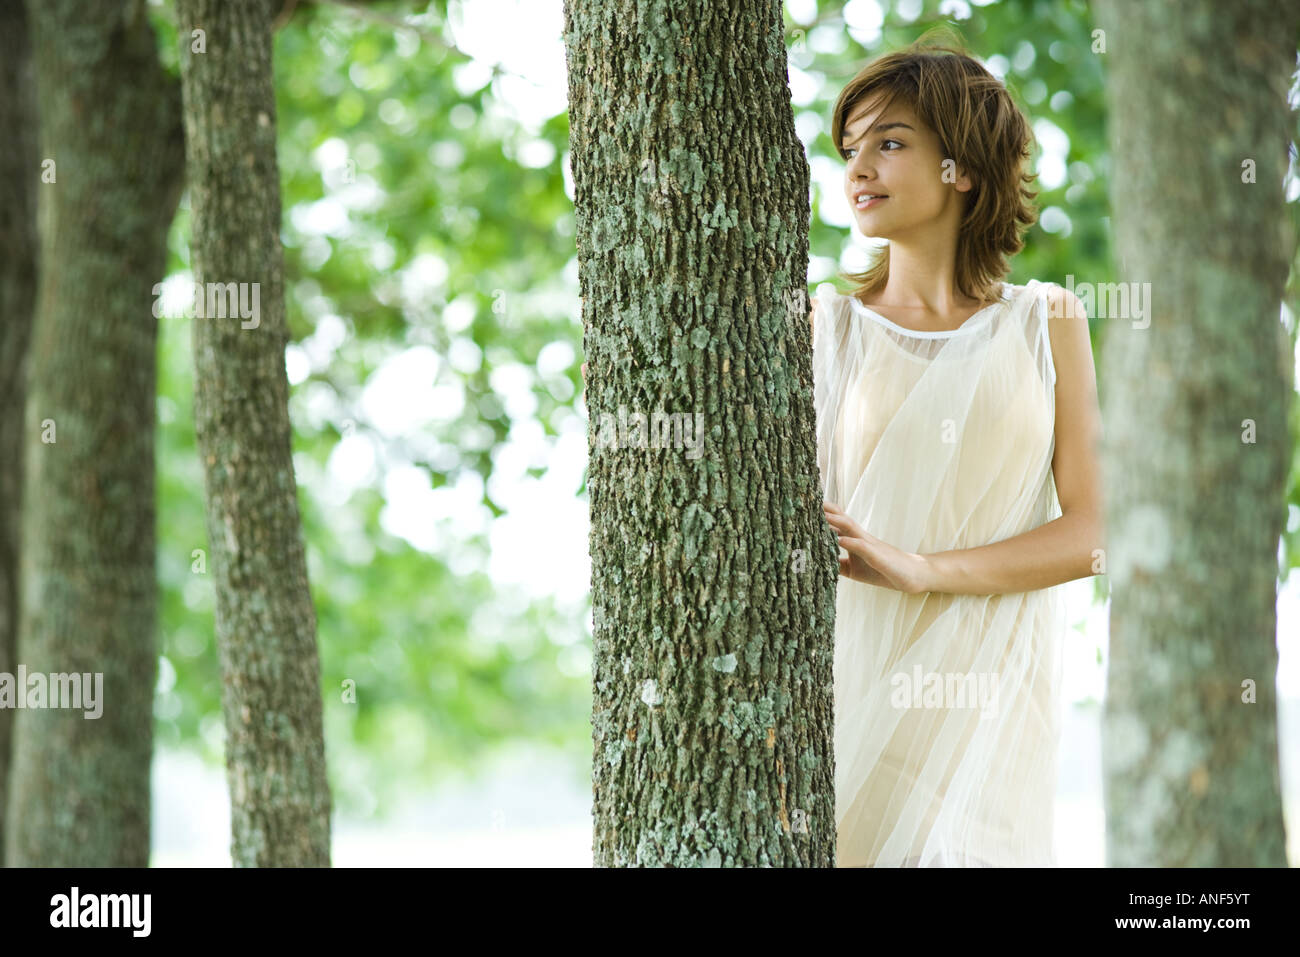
(874, 562)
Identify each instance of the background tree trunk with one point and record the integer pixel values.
(1196, 446)
(19, 172)
(713, 577)
(109, 118)
(266, 624)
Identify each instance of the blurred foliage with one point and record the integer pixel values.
(403, 192)
(420, 214)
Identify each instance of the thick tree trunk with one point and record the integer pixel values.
(109, 120)
(1196, 448)
(266, 624)
(19, 172)
(714, 570)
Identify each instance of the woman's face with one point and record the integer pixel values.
(901, 159)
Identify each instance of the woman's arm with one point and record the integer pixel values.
(1071, 546)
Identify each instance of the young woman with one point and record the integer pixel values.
(957, 426)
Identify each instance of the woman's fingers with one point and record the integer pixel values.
(842, 522)
(584, 372)
(854, 546)
(857, 564)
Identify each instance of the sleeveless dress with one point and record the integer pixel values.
(946, 706)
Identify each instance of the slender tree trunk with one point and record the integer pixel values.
(1196, 447)
(714, 570)
(19, 172)
(266, 624)
(109, 120)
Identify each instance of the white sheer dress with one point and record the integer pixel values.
(946, 705)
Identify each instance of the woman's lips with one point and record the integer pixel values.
(868, 203)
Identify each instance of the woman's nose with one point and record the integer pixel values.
(860, 171)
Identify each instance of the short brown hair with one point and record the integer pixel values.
(981, 129)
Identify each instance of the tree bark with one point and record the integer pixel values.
(19, 172)
(109, 119)
(713, 568)
(1196, 447)
(266, 623)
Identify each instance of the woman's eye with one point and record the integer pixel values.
(848, 153)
